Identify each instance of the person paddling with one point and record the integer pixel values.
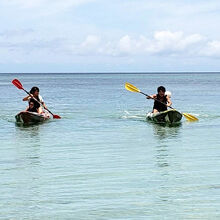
(162, 97)
(35, 95)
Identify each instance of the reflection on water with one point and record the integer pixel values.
(162, 156)
(163, 133)
(28, 144)
(31, 131)
(166, 131)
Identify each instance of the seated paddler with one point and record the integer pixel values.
(31, 107)
(37, 99)
(161, 100)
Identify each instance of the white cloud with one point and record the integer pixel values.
(28, 45)
(161, 43)
(177, 8)
(173, 42)
(125, 44)
(212, 49)
(29, 9)
(46, 3)
(90, 42)
(23, 3)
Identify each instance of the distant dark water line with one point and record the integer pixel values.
(110, 73)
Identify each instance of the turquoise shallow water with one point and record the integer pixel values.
(103, 160)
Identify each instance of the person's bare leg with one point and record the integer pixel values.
(155, 110)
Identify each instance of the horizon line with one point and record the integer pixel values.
(148, 72)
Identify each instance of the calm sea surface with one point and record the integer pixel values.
(103, 160)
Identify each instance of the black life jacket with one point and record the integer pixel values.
(36, 104)
(159, 106)
(32, 109)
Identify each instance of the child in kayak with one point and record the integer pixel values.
(162, 97)
(35, 95)
(31, 107)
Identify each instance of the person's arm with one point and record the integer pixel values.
(42, 101)
(151, 96)
(169, 103)
(26, 98)
(44, 105)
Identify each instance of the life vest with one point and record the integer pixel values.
(159, 106)
(36, 104)
(34, 109)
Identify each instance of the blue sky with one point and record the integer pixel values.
(109, 36)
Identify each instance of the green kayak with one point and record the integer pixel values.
(28, 118)
(168, 116)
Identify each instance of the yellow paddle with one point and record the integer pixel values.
(132, 88)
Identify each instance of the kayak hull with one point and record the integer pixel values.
(28, 118)
(168, 116)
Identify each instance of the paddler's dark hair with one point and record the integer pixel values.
(34, 89)
(161, 88)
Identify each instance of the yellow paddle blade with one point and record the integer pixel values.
(190, 117)
(131, 87)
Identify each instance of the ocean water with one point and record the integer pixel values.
(103, 160)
